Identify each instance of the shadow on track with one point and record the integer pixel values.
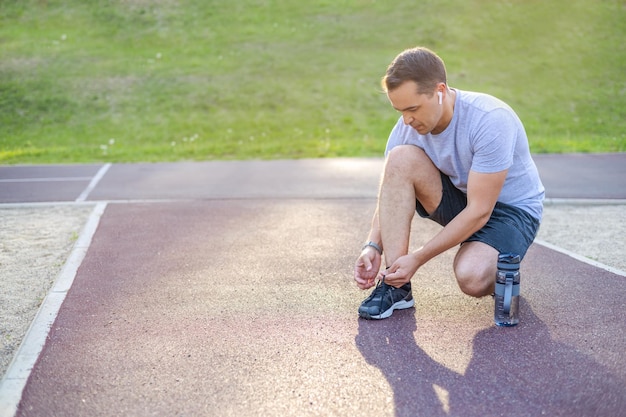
(517, 371)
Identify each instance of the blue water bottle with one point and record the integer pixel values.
(506, 311)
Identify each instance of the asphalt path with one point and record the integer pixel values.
(224, 288)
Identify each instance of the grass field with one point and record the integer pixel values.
(153, 80)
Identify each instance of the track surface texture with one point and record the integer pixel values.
(225, 288)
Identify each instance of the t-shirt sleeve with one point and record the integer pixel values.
(494, 142)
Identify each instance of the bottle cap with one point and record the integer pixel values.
(509, 261)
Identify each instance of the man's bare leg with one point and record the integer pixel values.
(409, 174)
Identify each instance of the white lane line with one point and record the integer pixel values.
(94, 181)
(40, 204)
(584, 202)
(18, 372)
(52, 179)
(580, 257)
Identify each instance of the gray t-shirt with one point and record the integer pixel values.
(485, 135)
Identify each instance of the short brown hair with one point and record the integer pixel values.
(420, 65)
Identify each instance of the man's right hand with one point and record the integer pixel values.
(367, 267)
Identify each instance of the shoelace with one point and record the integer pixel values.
(381, 289)
(381, 284)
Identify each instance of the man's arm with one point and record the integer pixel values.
(482, 193)
(369, 261)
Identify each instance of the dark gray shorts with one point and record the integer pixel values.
(509, 230)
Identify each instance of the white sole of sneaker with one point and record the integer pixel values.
(400, 305)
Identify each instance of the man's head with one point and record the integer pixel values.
(415, 83)
(420, 65)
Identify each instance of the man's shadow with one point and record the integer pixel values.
(390, 346)
(518, 371)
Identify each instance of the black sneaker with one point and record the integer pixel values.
(384, 299)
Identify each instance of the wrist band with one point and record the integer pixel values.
(373, 245)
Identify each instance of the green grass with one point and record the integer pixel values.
(139, 80)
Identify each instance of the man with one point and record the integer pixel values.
(456, 157)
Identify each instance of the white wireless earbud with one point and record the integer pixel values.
(440, 94)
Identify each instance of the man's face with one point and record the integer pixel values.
(421, 111)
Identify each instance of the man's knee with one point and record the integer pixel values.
(404, 157)
(475, 269)
(474, 284)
